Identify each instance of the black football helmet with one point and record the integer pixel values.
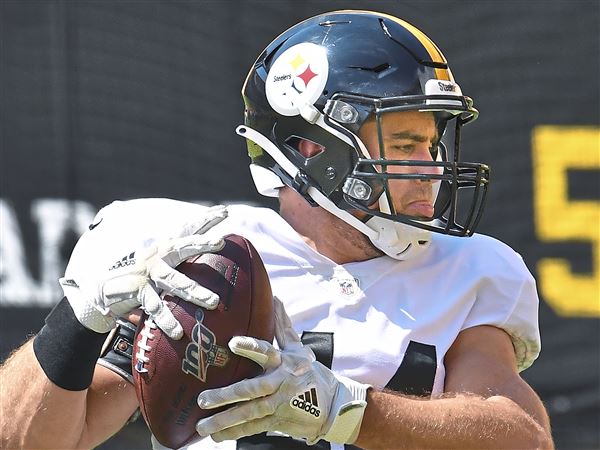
(324, 78)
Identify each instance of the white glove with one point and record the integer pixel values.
(99, 291)
(297, 395)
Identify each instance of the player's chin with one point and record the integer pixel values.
(419, 211)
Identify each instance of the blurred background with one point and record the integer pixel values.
(105, 100)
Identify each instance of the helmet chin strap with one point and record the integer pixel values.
(395, 239)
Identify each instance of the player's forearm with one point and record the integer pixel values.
(34, 412)
(463, 422)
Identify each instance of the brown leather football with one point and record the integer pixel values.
(169, 374)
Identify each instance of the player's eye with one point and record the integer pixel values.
(403, 148)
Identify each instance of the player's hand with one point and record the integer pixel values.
(297, 395)
(101, 291)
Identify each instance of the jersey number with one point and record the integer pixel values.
(416, 373)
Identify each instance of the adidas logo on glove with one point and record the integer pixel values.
(125, 261)
(307, 402)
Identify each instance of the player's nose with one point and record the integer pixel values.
(428, 168)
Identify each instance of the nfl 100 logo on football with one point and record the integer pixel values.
(202, 352)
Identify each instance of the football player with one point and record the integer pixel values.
(397, 326)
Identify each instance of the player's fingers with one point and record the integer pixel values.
(215, 215)
(159, 313)
(235, 416)
(178, 250)
(174, 282)
(203, 222)
(261, 352)
(284, 332)
(134, 316)
(249, 389)
(245, 429)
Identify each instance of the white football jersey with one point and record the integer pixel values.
(384, 322)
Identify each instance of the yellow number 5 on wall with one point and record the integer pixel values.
(557, 149)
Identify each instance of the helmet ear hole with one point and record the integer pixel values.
(304, 147)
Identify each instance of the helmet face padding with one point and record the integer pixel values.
(322, 79)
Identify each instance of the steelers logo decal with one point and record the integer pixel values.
(297, 78)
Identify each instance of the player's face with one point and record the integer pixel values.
(407, 135)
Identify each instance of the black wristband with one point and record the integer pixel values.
(66, 350)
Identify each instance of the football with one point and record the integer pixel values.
(169, 374)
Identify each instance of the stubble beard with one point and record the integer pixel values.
(295, 210)
(355, 238)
